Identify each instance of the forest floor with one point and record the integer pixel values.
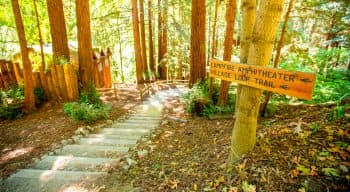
(33, 135)
(298, 149)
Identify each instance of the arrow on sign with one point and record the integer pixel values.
(285, 87)
(305, 80)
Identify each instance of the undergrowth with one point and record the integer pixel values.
(90, 107)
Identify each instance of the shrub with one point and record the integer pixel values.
(39, 96)
(86, 112)
(89, 108)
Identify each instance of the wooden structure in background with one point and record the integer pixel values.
(102, 69)
(8, 76)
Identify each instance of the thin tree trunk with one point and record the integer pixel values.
(228, 44)
(278, 54)
(244, 132)
(40, 35)
(150, 33)
(213, 51)
(160, 38)
(58, 30)
(143, 40)
(84, 43)
(164, 67)
(137, 44)
(197, 62)
(120, 54)
(29, 99)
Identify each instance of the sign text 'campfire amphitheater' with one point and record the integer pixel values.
(293, 83)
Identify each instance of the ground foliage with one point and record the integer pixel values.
(298, 149)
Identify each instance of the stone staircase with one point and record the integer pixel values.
(91, 157)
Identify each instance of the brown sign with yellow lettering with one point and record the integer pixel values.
(293, 83)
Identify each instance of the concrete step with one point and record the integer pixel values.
(70, 163)
(108, 142)
(144, 117)
(31, 180)
(114, 136)
(138, 120)
(129, 124)
(92, 151)
(126, 131)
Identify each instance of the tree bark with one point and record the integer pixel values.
(85, 52)
(150, 33)
(213, 51)
(248, 22)
(137, 44)
(278, 54)
(162, 69)
(197, 60)
(228, 44)
(143, 40)
(160, 38)
(40, 35)
(244, 132)
(29, 98)
(58, 30)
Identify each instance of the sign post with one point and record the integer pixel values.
(293, 83)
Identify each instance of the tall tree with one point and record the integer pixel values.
(278, 53)
(143, 39)
(40, 35)
(228, 43)
(150, 38)
(85, 52)
(197, 63)
(137, 43)
(248, 21)
(214, 44)
(244, 132)
(213, 49)
(58, 30)
(162, 38)
(29, 99)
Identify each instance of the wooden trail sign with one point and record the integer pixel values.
(293, 83)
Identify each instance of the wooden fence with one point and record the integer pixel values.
(59, 82)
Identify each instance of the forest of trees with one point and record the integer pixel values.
(60, 49)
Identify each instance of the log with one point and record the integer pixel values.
(11, 72)
(71, 82)
(5, 76)
(36, 79)
(55, 83)
(50, 86)
(108, 69)
(61, 82)
(44, 83)
(18, 73)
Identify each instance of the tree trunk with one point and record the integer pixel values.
(228, 43)
(197, 63)
(120, 54)
(248, 22)
(29, 99)
(137, 44)
(160, 38)
(150, 33)
(278, 54)
(213, 51)
(164, 44)
(244, 132)
(85, 52)
(143, 40)
(58, 30)
(40, 35)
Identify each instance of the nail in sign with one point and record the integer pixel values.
(293, 83)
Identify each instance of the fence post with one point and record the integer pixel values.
(18, 73)
(5, 75)
(61, 82)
